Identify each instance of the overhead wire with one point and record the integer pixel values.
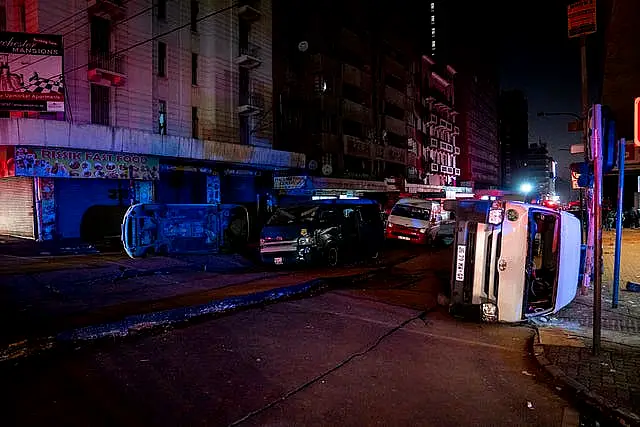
(150, 39)
(76, 28)
(135, 15)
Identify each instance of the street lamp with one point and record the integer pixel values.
(526, 188)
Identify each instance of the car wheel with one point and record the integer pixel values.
(332, 257)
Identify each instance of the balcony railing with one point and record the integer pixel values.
(249, 10)
(356, 77)
(116, 9)
(108, 69)
(396, 126)
(249, 56)
(395, 96)
(354, 146)
(354, 111)
(250, 103)
(107, 62)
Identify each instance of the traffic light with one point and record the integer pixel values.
(609, 146)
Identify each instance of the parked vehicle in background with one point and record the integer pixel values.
(513, 260)
(323, 231)
(152, 228)
(420, 221)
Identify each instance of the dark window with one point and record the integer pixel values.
(243, 35)
(396, 140)
(245, 131)
(3, 18)
(393, 111)
(354, 94)
(162, 9)
(100, 35)
(395, 82)
(162, 59)
(195, 10)
(194, 68)
(349, 127)
(244, 82)
(22, 15)
(100, 105)
(194, 122)
(162, 117)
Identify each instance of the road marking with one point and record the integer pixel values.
(413, 331)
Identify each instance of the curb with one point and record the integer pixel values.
(582, 392)
(141, 322)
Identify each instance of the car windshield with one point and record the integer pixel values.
(413, 212)
(293, 215)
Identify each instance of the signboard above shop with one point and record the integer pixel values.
(61, 163)
(31, 74)
(582, 18)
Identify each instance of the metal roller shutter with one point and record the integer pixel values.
(16, 207)
(75, 196)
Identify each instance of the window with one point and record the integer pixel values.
(194, 68)
(100, 31)
(22, 16)
(433, 19)
(195, 9)
(3, 18)
(162, 9)
(433, 7)
(162, 59)
(100, 105)
(245, 131)
(162, 117)
(194, 122)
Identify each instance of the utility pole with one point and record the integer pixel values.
(588, 192)
(596, 144)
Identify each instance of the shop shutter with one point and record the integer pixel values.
(16, 207)
(75, 196)
(239, 189)
(182, 187)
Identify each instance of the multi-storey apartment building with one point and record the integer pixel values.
(513, 110)
(362, 104)
(143, 100)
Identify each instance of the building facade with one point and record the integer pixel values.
(360, 103)
(136, 106)
(513, 113)
(539, 169)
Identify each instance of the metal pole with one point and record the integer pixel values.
(616, 265)
(588, 192)
(596, 141)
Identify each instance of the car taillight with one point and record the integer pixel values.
(262, 241)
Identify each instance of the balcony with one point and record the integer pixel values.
(115, 9)
(377, 151)
(354, 111)
(396, 126)
(327, 142)
(354, 146)
(249, 56)
(249, 10)
(106, 69)
(395, 155)
(250, 103)
(395, 96)
(320, 62)
(356, 77)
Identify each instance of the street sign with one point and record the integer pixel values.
(582, 18)
(636, 123)
(577, 148)
(574, 180)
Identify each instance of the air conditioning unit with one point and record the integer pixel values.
(434, 167)
(456, 171)
(449, 125)
(443, 168)
(434, 143)
(456, 150)
(456, 130)
(443, 145)
(433, 119)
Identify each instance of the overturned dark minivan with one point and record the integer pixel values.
(324, 232)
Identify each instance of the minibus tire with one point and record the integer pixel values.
(332, 257)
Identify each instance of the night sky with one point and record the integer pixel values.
(539, 59)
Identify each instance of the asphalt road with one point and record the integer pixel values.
(381, 353)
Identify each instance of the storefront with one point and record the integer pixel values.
(17, 207)
(291, 189)
(75, 193)
(187, 184)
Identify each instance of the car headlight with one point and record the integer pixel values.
(423, 230)
(306, 241)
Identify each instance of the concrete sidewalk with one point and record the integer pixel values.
(47, 299)
(610, 381)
